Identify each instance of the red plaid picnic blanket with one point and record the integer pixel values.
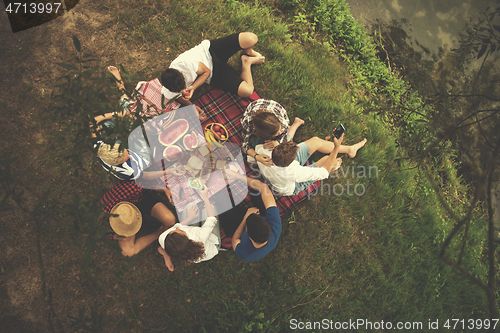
(228, 109)
(151, 99)
(177, 125)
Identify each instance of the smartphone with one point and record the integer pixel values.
(339, 131)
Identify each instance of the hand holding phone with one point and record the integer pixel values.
(339, 131)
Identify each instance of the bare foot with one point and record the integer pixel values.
(252, 60)
(253, 53)
(168, 262)
(339, 163)
(298, 122)
(354, 148)
(116, 73)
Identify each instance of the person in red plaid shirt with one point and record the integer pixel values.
(148, 205)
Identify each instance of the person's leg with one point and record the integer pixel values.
(119, 83)
(326, 147)
(303, 153)
(163, 214)
(132, 245)
(222, 49)
(225, 47)
(292, 129)
(246, 87)
(251, 57)
(247, 41)
(321, 163)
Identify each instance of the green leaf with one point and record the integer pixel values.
(496, 27)
(77, 44)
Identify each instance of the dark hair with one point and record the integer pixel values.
(258, 228)
(265, 124)
(284, 153)
(183, 249)
(173, 80)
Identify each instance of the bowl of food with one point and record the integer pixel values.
(216, 132)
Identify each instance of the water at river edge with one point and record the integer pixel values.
(432, 29)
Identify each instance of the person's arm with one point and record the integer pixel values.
(109, 115)
(160, 173)
(168, 193)
(270, 144)
(131, 245)
(191, 214)
(204, 195)
(106, 116)
(267, 195)
(183, 101)
(264, 159)
(239, 232)
(331, 160)
(203, 73)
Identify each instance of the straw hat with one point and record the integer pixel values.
(111, 155)
(129, 219)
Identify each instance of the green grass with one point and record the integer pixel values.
(345, 257)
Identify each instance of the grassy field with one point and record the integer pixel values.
(340, 257)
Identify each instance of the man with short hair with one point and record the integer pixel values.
(207, 62)
(256, 235)
(289, 176)
(145, 205)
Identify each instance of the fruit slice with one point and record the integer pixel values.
(195, 183)
(173, 132)
(172, 153)
(187, 142)
(190, 141)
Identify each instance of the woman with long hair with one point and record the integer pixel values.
(187, 244)
(266, 122)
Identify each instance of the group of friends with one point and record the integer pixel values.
(138, 217)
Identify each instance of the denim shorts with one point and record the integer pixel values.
(303, 155)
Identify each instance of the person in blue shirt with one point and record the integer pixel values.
(257, 235)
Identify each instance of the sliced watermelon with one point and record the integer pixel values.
(172, 153)
(190, 141)
(173, 132)
(194, 139)
(187, 142)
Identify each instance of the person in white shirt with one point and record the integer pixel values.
(191, 244)
(207, 62)
(289, 176)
